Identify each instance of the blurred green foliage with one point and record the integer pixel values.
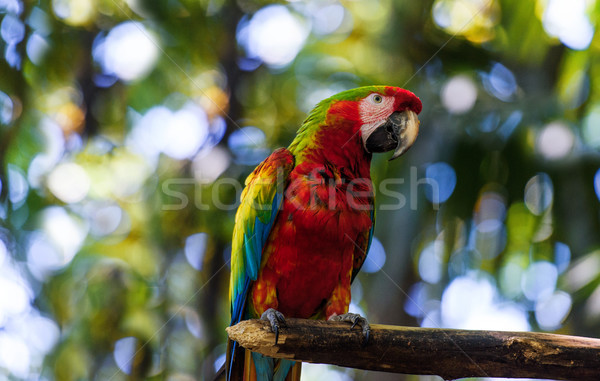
(127, 128)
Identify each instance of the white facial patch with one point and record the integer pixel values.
(373, 113)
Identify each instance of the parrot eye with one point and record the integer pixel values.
(376, 98)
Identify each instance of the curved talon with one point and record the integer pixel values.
(355, 319)
(274, 317)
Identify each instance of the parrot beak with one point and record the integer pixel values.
(397, 133)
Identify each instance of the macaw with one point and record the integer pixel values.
(305, 222)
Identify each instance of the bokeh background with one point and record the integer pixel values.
(127, 127)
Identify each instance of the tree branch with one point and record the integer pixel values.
(447, 353)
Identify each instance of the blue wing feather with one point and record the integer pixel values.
(372, 229)
(261, 200)
(362, 249)
(254, 242)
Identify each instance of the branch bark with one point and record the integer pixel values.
(448, 353)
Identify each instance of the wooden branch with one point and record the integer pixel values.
(447, 353)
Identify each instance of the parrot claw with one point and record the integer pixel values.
(275, 318)
(355, 319)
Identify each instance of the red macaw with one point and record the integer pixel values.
(305, 222)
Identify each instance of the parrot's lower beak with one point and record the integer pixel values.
(398, 133)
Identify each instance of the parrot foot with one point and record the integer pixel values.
(275, 318)
(355, 319)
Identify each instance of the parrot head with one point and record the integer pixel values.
(384, 116)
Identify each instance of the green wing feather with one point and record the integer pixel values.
(260, 203)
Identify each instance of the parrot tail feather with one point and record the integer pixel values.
(258, 367)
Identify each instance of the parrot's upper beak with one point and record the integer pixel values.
(397, 133)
